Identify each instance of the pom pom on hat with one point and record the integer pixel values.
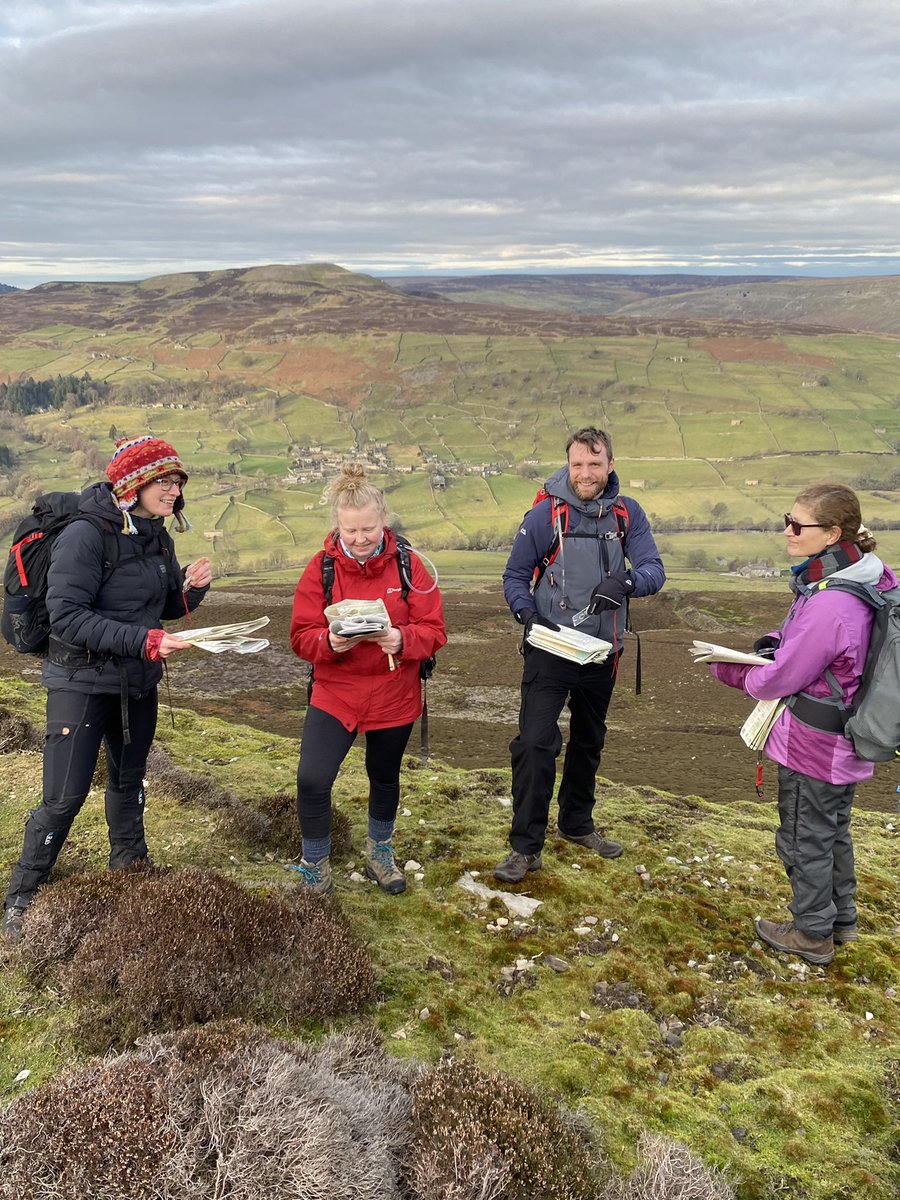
(137, 462)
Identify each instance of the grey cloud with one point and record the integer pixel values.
(200, 133)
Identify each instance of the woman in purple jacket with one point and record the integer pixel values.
(821, 647)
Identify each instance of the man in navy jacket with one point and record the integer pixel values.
(606, 554)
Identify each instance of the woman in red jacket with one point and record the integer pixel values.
(360, 686)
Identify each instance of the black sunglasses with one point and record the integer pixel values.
(795, 526)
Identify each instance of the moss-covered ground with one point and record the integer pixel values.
(662, 1011)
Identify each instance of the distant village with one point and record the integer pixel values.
(315, 463)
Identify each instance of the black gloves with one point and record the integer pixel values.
(766, 646)
(530, 616)
(612, 592)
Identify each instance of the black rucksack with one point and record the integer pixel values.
(25, 623)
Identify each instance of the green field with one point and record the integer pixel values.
(693, 431)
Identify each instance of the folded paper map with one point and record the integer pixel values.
(707, 652)
(759, 724)
(219, 638)
(570, 644)
(358, 618)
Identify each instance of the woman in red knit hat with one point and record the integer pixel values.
(113, 579)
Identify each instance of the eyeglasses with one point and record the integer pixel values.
(795, 526)
(169, 482)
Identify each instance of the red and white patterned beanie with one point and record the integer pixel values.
(137, 462)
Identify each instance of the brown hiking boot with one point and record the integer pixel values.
(382, 867)
(791, 940)
(594, 841)
(845, 933)
(315, 877)
(516, 866)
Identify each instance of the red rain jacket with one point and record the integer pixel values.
(358, 687)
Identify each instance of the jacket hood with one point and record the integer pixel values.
(98, 501)
(332, 546)
(871, 570)
(560, 486)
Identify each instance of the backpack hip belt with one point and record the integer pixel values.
(64, 654)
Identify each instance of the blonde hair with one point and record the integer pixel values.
(352, 489)
(836, 504)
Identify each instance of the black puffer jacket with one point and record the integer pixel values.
(106, 589)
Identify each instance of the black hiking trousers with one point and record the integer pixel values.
(547, 683)
(77, 726)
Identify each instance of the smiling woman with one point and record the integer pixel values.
(113, 578)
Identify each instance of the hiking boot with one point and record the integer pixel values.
(791, 940)
(594, 841)
(516, 866)
(382, 867)
(314, 877)
(845, 933)
(12, 923)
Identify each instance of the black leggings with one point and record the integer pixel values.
(324, 746)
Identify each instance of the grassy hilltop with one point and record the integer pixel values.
(266, 378)
(634, 993)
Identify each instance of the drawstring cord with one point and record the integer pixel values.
(168, 692)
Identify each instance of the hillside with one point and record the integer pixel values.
(268, 378)
(870, 304)
(581, 294)
(5, 288)
(635, 992)
(276, 303)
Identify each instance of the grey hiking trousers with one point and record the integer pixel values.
(815, 846)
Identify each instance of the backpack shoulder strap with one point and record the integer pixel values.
(619, 509)
(111, 543)
(328, 577)
(404, 566)
(559, 523)
(862, 591)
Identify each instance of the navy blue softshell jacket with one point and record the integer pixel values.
(106, 597)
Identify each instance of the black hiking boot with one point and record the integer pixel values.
(12, 923)
(594, 841)
(516, 866)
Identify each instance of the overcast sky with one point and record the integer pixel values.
(412, 136)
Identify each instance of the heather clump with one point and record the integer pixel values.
(269, 824)
(222, 1111)
(281, 834)
(667, 1170)
(17, 733)
(480, 1136)
(148, 951)
(96, 1132)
